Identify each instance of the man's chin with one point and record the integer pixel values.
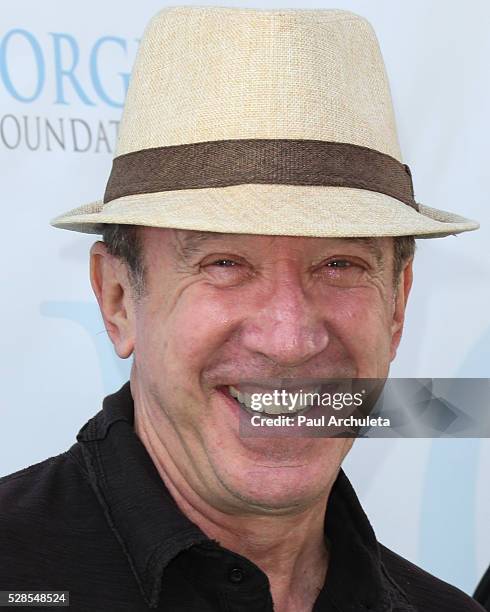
(275, 475)
(279, 490)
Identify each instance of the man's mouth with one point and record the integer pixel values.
(273, 401)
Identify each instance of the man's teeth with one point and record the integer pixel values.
(294, 401)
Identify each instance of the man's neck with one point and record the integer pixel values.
(288, 546)
(289, 549)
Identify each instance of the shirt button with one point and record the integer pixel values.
(236, 575)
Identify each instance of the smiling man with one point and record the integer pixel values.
(258, 225)
(215, 309)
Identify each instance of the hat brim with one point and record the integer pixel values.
(291, 210)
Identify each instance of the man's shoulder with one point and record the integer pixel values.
(43, 503)
(43, 481)
(423, 590)
(45, 495)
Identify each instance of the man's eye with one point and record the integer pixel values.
(342, 272)
(224, 263)
(225, 272)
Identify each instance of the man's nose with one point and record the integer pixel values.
(288, 328)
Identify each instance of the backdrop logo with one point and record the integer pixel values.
(60, 70)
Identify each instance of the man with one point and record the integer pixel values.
(257, 226)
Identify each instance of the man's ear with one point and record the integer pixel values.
(400, 299)
(110, 283)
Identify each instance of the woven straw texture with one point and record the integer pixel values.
(215, 73)
(228, 73)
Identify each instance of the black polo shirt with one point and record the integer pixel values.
(98, 521)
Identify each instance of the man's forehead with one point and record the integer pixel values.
(187, 243)
(191, 242)
(194, 239)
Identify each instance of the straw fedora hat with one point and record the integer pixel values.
(276, 122)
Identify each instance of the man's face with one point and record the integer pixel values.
(222, 308)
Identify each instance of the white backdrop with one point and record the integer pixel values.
(63, 72)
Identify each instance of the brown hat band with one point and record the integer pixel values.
(223, 163)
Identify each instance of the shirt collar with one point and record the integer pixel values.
(152, 530)
(138, 507)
